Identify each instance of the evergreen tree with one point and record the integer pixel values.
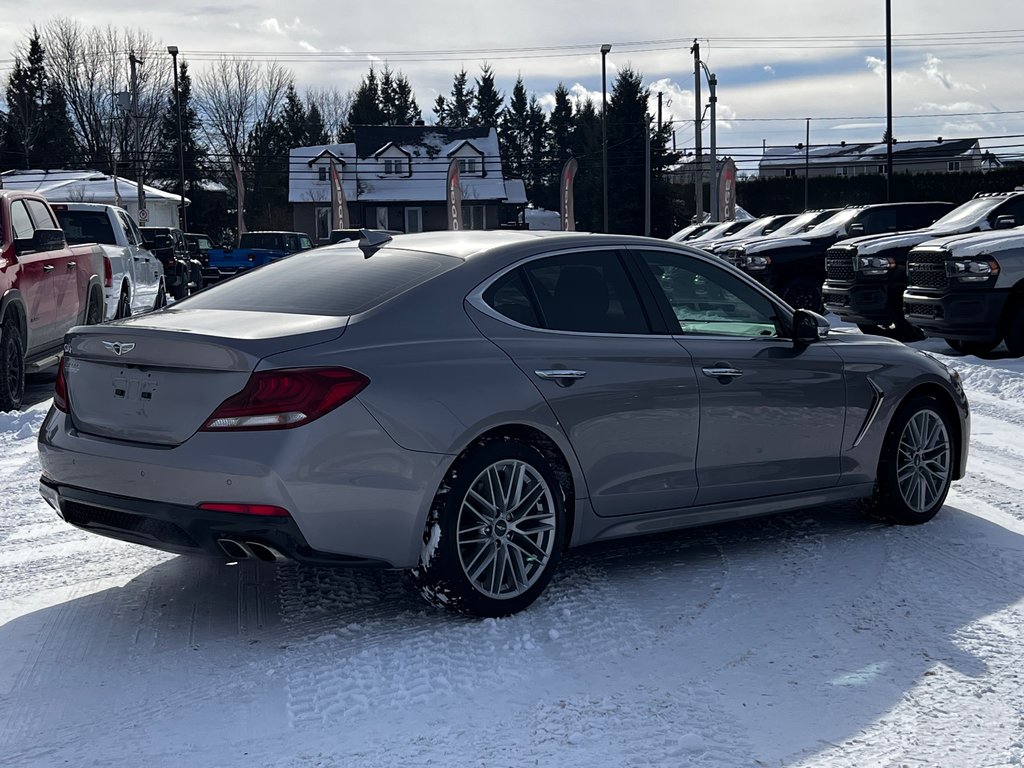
(26, 103)
(586, 148)
(487, 100)
(57, 143)
(537, 164)
(316, 131)
(406, 110)
(514, 132)
(366, 108)
(293, 118)
(441, 110)
(388, 96)
(461, 103)
(193, 150)
(558, 148)
(267, 175)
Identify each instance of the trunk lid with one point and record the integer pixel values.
(157, 378)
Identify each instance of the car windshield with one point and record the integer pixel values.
(86, 227)
(753, 228)
(721, 230)
(334, 281)
(966, 215)
(797, 225)
(833, 224)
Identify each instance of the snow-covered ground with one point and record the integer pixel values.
(811, 639)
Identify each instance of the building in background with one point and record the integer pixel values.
(939, 156)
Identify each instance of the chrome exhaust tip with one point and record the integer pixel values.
(234, 549)
(264, 553)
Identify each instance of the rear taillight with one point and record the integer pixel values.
(260, 510)
(108, 273)
(286, 398)
(60, 389)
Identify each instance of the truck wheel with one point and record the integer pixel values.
(161, 298)
(1014, 331)
(802, 293)
(94, 309)
(972, 347)
(907, 333)
(12, 367)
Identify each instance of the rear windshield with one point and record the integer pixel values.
(269, 241)
(334, 281)
(86, 227)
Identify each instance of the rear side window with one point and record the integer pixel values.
(21, 222)
(86, 227)
(327, 281)
(41, 215)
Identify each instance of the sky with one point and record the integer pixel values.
(955, 64)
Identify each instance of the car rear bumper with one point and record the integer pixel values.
(967, 315)
(354, 495)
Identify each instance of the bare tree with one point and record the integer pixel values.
(334, 106)
(90, 65)
(232, 97)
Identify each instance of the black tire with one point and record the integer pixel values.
(124, 306)
(923, 475)
(802, 292)
(972, 347)
(527, 540)
(12, 367)
(94, 309)
(1013, 331)
(906, 332)
(161, 298)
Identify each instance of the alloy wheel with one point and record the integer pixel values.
(506, 529)
(923, 460)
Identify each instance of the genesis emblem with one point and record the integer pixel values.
(119, 347)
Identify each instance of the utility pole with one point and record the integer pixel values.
(713, 99)
(659, 111)
(807, 163)
(647, 176)
(888, 101)
(143, 214)
(698, 162)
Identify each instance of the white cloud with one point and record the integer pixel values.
(307, 47)
(876, 65)
(273, 26)
(933, 72)
(769, 69)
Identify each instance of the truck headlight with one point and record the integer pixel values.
(875, 265)
(756, 263)
(974, 270)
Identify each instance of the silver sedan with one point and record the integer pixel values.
(466, 406)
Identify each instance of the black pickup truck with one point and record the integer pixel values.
(866, 276)
(794, 267)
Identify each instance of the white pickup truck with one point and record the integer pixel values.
(133, 277)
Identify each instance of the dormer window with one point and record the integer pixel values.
(322, 173)
(469, 166)
(394, 166)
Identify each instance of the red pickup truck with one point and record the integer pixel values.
(46, 287)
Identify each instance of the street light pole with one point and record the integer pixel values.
(604, 131)
(888, 101)
(173, 50)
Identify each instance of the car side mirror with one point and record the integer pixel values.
(1007, 221)
(809, 327)
(855, 230)
(149, 245)
(42, 240)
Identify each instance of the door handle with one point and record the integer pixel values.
(48, 268)
(561, 376)
(72, 264)
(722, 373)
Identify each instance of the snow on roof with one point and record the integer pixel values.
(428, 148)
(853, 153)
(81, 186)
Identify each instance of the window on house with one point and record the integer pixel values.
(842, 171)
(881, 169)
(323, 173)
(393, 166)
(790, 172)
(473, 217)
(469, 165)
(953, 166)
(323, 222)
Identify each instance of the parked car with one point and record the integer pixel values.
(717, 232)
(133, 278)
(692, 231)
(969, 290)
(254, 250)
(866, 276)
(765, 225)
(794, 267)
(468, 405)
(199, 247)
(183, 275)
(46, 286)
(796, 225)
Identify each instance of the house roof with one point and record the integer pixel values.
(82, 186)
(428, 148)
(903, 152)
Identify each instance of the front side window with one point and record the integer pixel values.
(708, 300)
(586, 292)
(305, 243)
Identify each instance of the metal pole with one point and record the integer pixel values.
(807, 163)
(698, 163)
(659, 111)
(138, 136)
(713, 99)
(888, 101)
(647, 177)
(173, 50)
(604, 132)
